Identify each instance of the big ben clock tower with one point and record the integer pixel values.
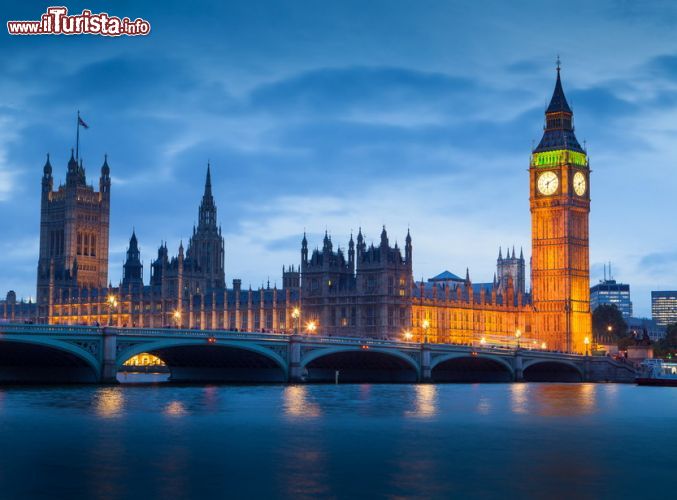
(560, 204)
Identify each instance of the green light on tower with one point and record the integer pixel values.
(557, 157)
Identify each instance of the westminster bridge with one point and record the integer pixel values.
(84, 354)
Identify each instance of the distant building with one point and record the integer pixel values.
(664, 307)
(19, 311)
(608, 291)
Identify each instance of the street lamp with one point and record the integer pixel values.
(586, 341)
(407, 335)
(311, 326)
(177, 317)
(544, 346)
(296, 314)
(483, 341)
(518, 334)
(426, 326)
(112, 304)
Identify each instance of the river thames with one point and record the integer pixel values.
(346, 441)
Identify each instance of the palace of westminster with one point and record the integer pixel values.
(370, 292)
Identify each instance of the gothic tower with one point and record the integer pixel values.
(74, 223)
(205, 251)
(560, 206)
(132, 271)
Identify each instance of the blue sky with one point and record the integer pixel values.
(344, 114)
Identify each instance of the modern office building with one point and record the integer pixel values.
(664, 307)
(608, 291)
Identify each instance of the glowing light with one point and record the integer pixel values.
(144, 359)
(407, 335)
(296, 313)
(483, 341)
(425, 324)
(544, 346)
(550, 158)
(586, 341)
(311, 326)
(112, 301)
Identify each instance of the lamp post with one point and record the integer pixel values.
(177, 318)
(586, 341)
(544, 346)
(483, 342)
(112, 304)
(518, 334)
(311, 327)
(407, 335)
(426, 326)
(296, 315)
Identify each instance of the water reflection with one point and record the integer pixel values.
(109, 402)
(484, 405)
(304, 471)
(296, 403)
(379, 441)
(518, 398)
(563, 400)
(426, 401)
(175, 409)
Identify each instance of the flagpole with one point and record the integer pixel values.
(77, 139)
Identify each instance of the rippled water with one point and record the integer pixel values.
(346, 441)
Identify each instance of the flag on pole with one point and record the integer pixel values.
(82, 122)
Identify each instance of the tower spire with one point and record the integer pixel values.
(208, 207)
(208, 181)
(559, 130)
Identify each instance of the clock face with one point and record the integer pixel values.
(548, 183)
(579, 183)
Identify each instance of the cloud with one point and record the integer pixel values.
(345, 115)
(659, 262)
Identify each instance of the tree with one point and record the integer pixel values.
(607, 324)
(667, 345)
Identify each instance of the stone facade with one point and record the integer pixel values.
(367, 291)
(74, 222)
(369, 294)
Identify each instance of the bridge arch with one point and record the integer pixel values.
(464, 367)
(358, 364)
(552, 370)
(196, 360)
(46, 360)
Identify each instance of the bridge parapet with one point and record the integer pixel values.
(106, 348)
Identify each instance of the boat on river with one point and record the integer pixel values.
(657, 372)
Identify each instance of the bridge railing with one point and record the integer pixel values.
(219, 334)
(28, 329)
